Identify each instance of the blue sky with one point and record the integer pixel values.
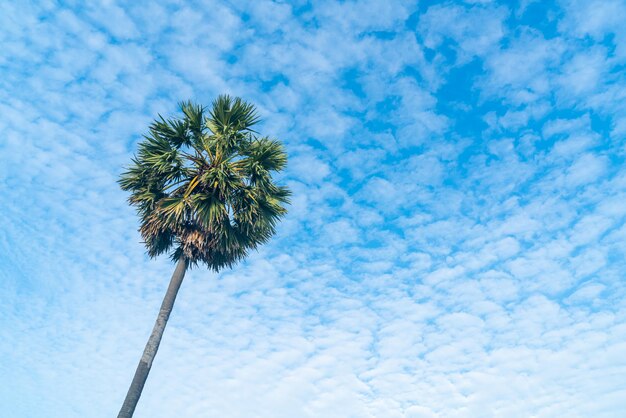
(456, 242)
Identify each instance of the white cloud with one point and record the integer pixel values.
(586, 169)
(475, 30)
(309, 168)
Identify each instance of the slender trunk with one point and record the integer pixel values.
(141, 374)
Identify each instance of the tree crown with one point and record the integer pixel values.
(202, 184)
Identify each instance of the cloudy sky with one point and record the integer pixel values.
(456, 243)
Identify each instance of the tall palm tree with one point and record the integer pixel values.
(202, 186)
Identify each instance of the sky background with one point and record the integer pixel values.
(456, 244)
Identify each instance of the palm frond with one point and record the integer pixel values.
(194, 118)
(268, 154)
(228, 115)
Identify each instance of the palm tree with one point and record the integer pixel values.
(202, 186)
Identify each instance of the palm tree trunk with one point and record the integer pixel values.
(141, 374)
